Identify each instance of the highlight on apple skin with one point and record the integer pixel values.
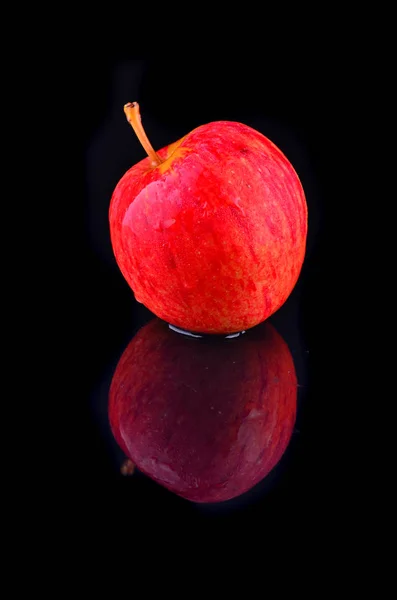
(210, 231)
(206, 418)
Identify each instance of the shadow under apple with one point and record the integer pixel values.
(206, 418)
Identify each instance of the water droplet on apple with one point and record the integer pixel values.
(161, 225)
(234, 335)
(168, 223)
(138, 299)
(184, 331)
(236, 203)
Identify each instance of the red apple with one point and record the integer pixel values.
(210, 232)
(206, 418)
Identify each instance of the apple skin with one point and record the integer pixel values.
(206, 418)
(213, 239)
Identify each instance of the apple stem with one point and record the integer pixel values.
(133, 115)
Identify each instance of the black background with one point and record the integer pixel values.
(300, 107)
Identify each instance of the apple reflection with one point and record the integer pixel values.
(206, 418)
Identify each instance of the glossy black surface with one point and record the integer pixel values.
(173, 103)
